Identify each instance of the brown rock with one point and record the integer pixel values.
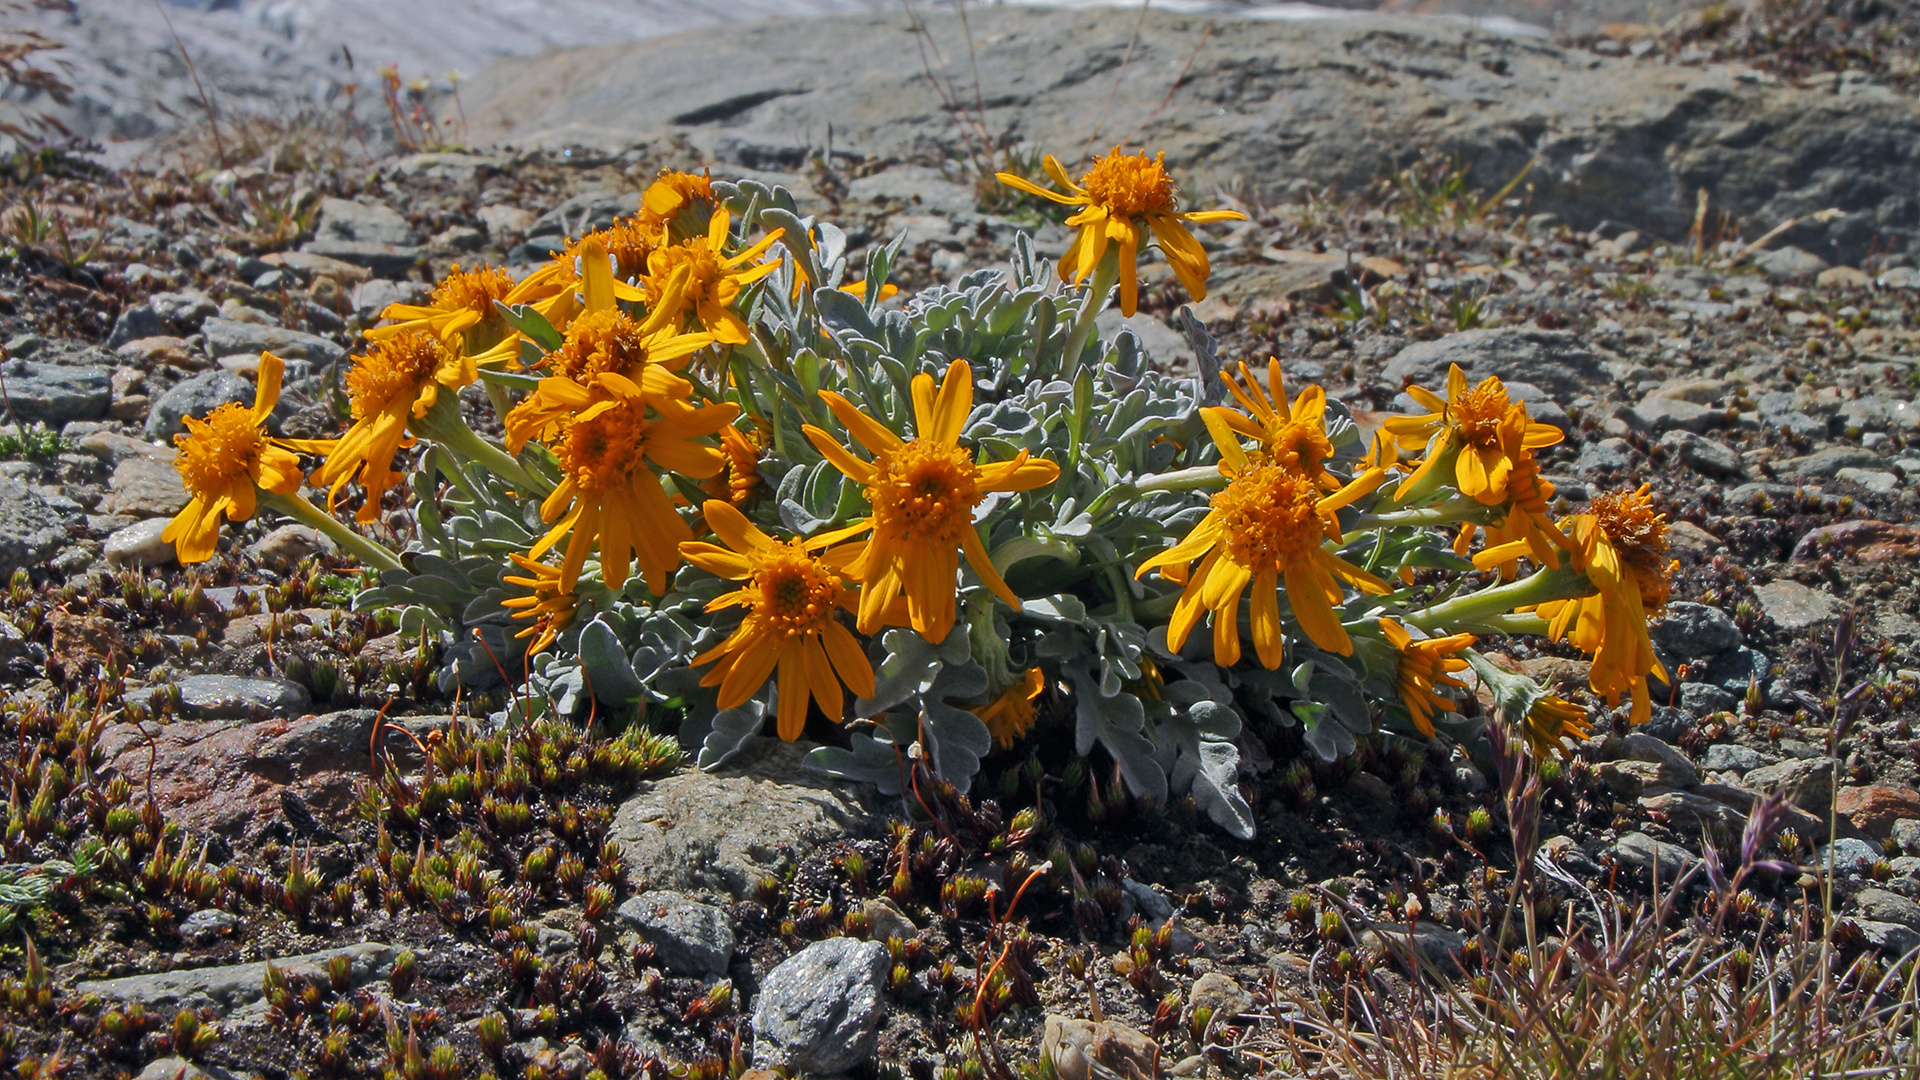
(1873, 808)
(1686, 538)
(1076, 1046)
(152, 352)
(1868, 541)
(80, 641)
(144, 487)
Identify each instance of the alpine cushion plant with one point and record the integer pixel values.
(745, 486)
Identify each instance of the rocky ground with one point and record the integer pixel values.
(251, 752)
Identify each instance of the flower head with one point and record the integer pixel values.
(608, 495)
(677, 206)
(713, 278)
(742, 475)
(461, 311)
(1294, 435)
(224, 458)
(1464, 431)
(1621, 546)
(923, 493)
(548, 606)
(399, 379)
(1009, 716)
(793, 597)
(1552, 723)
(1268, 527)
(1528, 528)
(1423, 667)
(1121, 197)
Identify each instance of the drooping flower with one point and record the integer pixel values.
(461, 311)
(608, 495)
(1293, 434)
(1269, 525)
(741, 478)
(1122, 196)
(1463, 431)
(398, 380)
(547, 605)
(713, 278)
(793, 598)
(923, 493)
(1552, 723)
(1621, 546)
(1009, 716)
(224, 459)
(677, 206)
(1425, 666)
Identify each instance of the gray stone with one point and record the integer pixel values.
(1789, 262)
(1875, 480)
(138, 321)
(819, 1010)
(31, 532)
(1806, 782)
(917, 186)
(1220, 995)
(139, 545)
(225, 337)
(370, 298)
(1827, 462)
(1732, 757)
(235, 987)
(179, 1068)
(208, 924)
(1893, 939)
(1704, 455)
(1695, 631)
(1554, 360)
(113, 447)
(144, 487)
(1883, 906)
(1850, 855)
(1705, 699)
(373, 223)
(195, 396)
(287, 545)
(722, 831)
(1662, 414)
(1640, 746)
(1906, 835)
(1605, 456)
(1793, 606)
(184, 310)
(688, 937)
(53, 394)
(234, 697)
(1690, 812)
(1161, 343)
(384, 260)
(1901, 277)
(1437, 945)
(1642, 854)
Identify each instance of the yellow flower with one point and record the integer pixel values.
(792, 597)
(713, 278)
(1621, 546)
(399, 379)
(1121, 194)
(580, 279)
(1527, 528)
(1269, 525)
(1293, 435)
(549, 606)
(461, 311)
(1551, 723)
(608, 494)
(606, 342)
(1464, 429)
(223, 458)
(676, 206)
(1424, 666)
(923, 493)
(742, 476)
(1010, 716)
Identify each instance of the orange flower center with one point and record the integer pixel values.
(599, 454)
(1478, 413)
(925, 493)
(1302, 444)
(626, 241)
(797, 595)
(396, 369)
(228, 446)
(600, 341)
(1271, 516)
(474, 290)
(704, 278)
(1639, 535)
(1129, 185)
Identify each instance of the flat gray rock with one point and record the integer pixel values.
(1553, 360)
(227, 337)
(1805, 782)
(384, 260)
(234, 987)
(139, 545)
(1642, 854)
(31, 532)
(721, 832)
(196, 396)
(372, 223)
(1789, 262)
(234, 697)
(820, 1009)
(1793, 606)
(145, 487)
(1695, 631)
(53, 394)
(1883, 906)
(688, 937)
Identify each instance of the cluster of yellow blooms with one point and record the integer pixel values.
(645, 307)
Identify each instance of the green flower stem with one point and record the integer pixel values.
(1447, 513)
(497, 394)
(444, 425)
(1479, 608)
(1105, 276)
(299, 509)
(1197, 478)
